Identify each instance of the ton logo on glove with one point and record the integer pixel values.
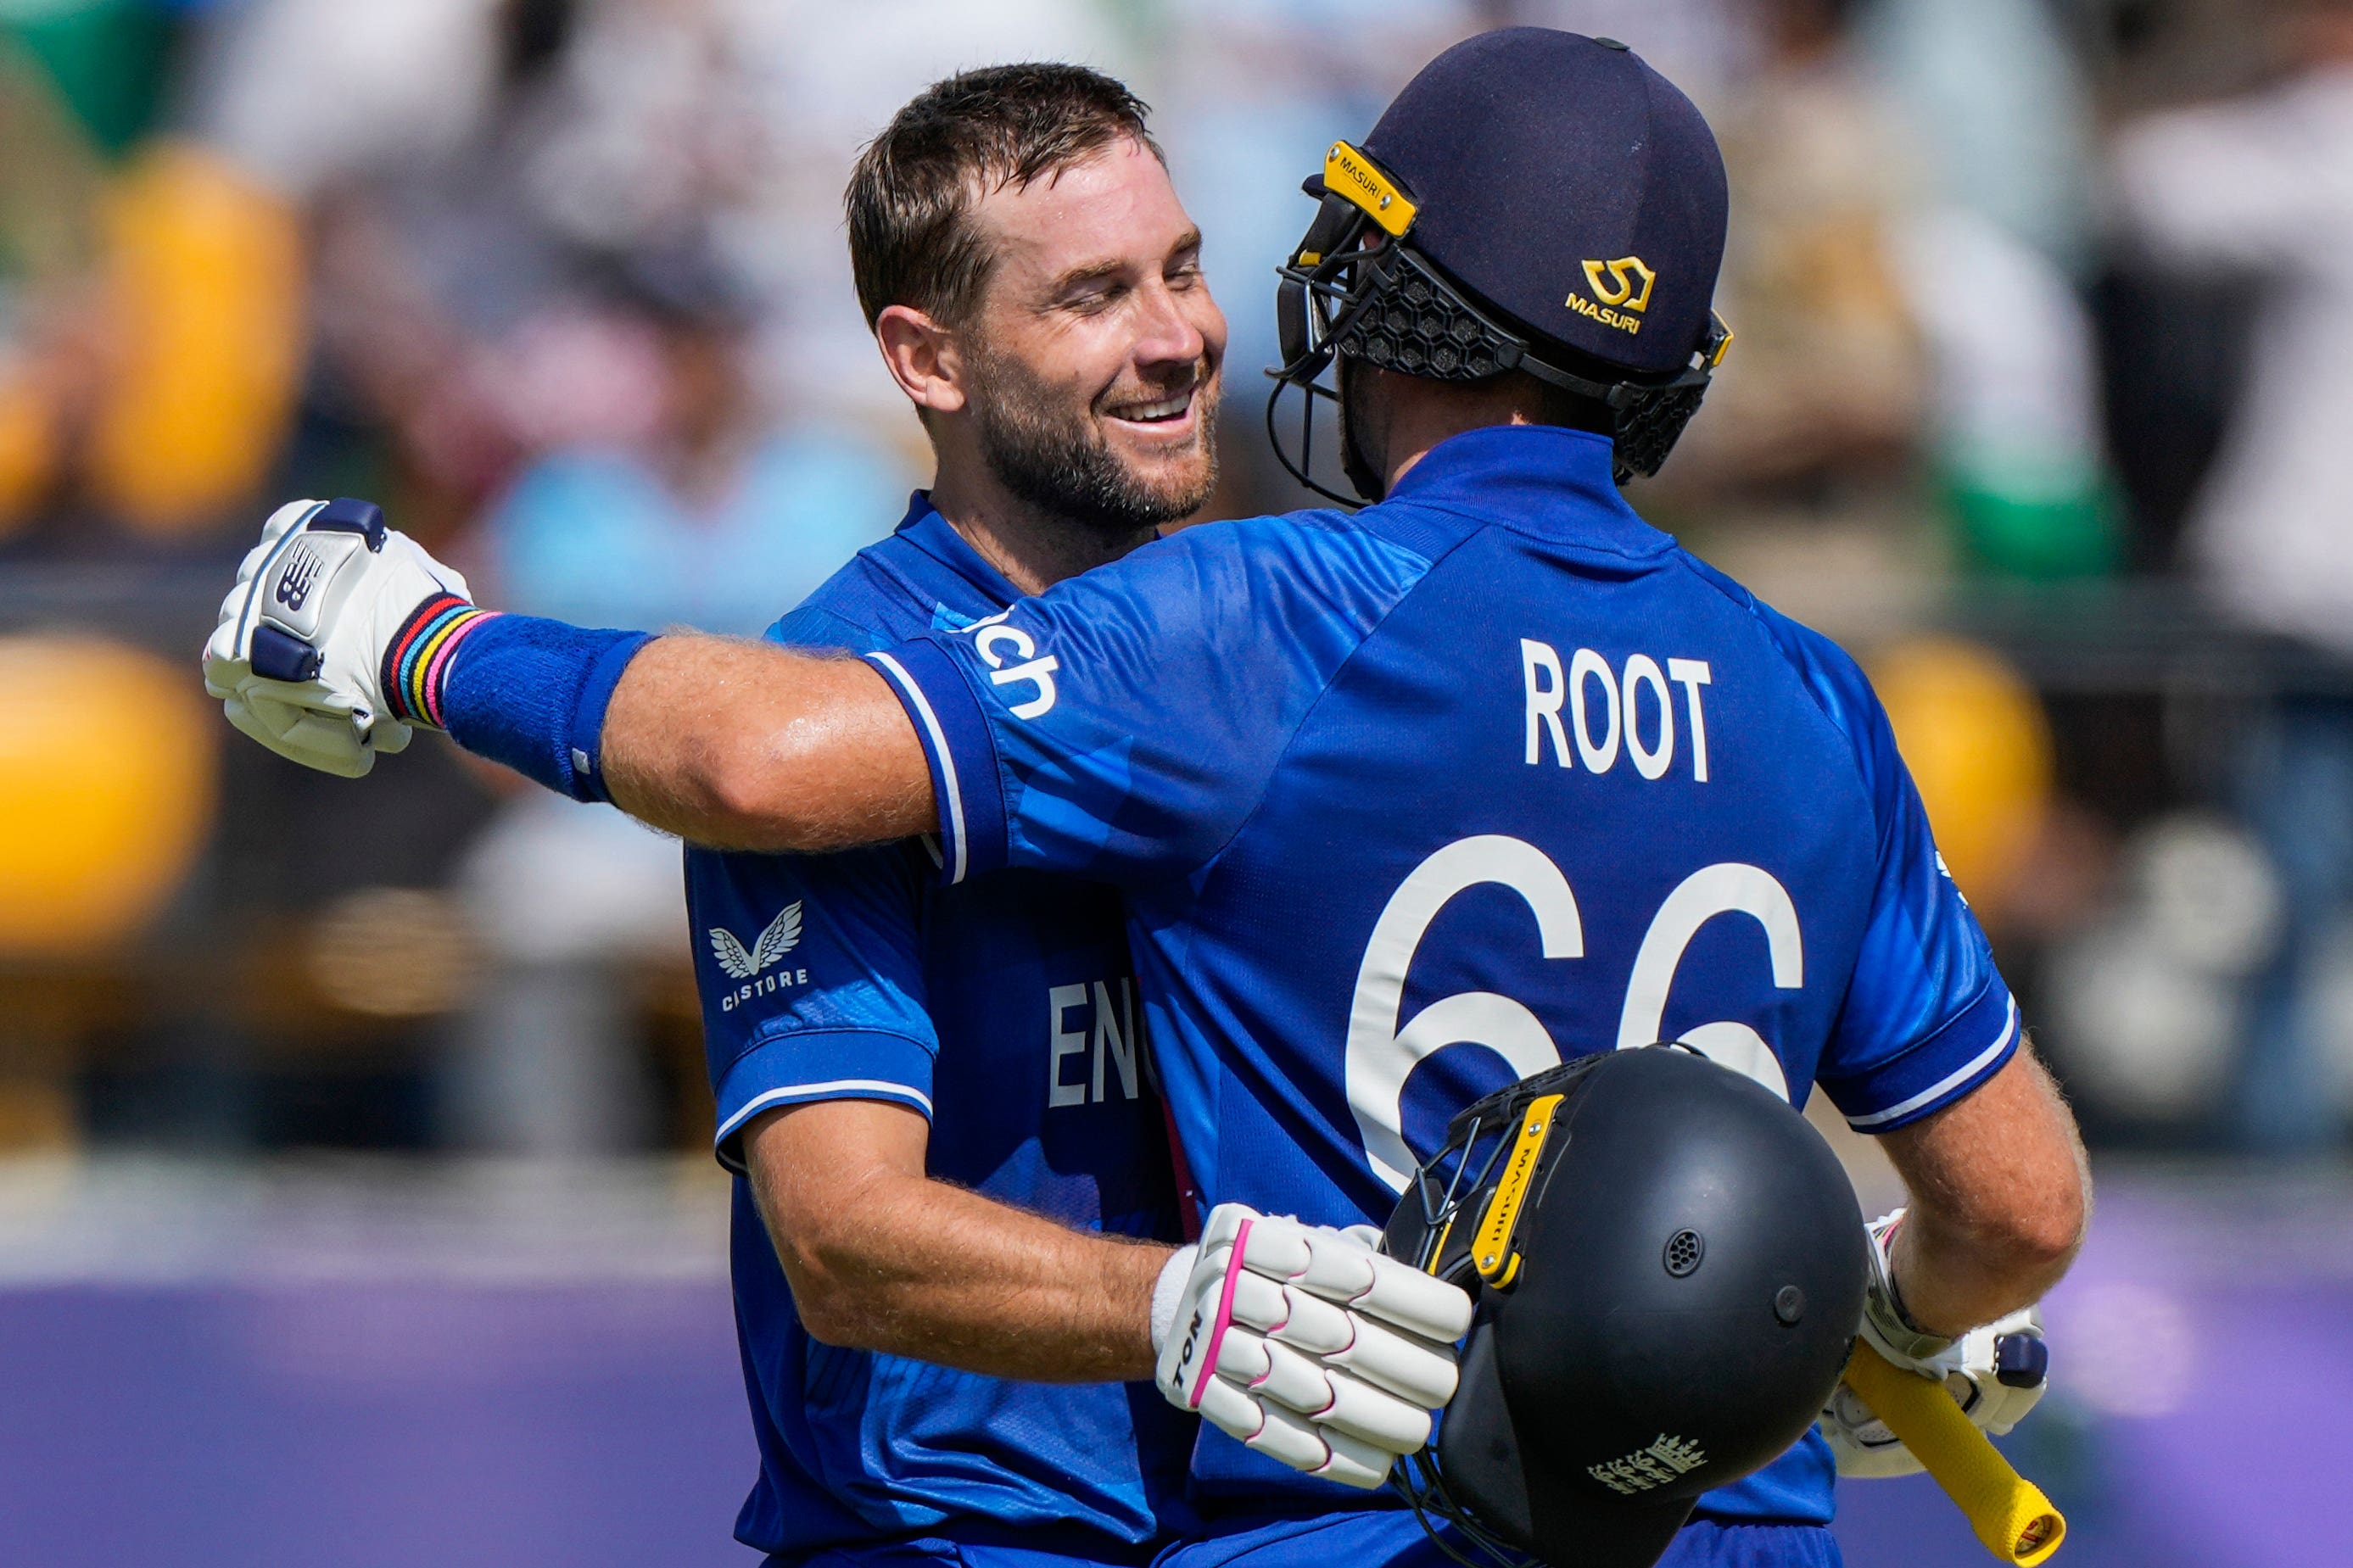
(1306, 1343)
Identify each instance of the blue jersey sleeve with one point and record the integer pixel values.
(810, 967)
(1926, 1018)
(1122, 726)
(811, 979)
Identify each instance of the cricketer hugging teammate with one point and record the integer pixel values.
(1122, 889)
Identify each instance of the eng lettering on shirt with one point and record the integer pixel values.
(1107, 1040)
(1605, 715)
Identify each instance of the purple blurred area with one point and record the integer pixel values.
(351, 1367)
(371, 1424)
(2203, 1387)
(409, 1382)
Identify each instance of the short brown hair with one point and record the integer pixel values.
(912, 239)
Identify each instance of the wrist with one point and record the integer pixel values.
(1168, 1292)
(533, 694)
(420, 654)
(1887, 1320)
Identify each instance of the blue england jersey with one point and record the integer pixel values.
(1407, 804)
(1005, 1011)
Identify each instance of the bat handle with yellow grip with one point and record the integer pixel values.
(2007, 1512)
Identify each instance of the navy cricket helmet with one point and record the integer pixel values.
(1533, 200)
(1668, 1263)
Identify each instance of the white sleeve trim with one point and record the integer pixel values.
(1948, 1084)
(832, 1089)
(939, 748)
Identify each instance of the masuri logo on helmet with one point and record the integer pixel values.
(1627, 284)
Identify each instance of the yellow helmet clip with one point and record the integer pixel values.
(1349, 172)
(1492, 1253)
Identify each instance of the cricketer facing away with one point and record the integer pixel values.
(1490, 763)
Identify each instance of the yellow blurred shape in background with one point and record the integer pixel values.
(1979, 746)
(206, 286)
(107, 767)
(27, 446)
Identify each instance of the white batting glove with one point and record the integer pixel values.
(297, 657)
(1996, 1373)
(1306, 1343)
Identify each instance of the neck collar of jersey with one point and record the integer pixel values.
(1542, 479)
(936, 537)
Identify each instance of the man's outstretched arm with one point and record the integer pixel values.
(1999, 1196)
(746, 745)
(339, 635)
(1301, 1342)
(883, 1258)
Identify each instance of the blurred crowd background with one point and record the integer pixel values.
(2041, 401)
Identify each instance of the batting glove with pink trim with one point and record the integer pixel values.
(1306, 1343)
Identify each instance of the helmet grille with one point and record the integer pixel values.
(1684, 1250)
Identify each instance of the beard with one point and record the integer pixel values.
(1055, 457)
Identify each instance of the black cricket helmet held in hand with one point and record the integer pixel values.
(1669, 1267)
(1533, 200)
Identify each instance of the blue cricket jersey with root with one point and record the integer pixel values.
(1005, 1011)
(1407, 804)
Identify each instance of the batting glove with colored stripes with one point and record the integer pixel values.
(329, 645)
(1306, 1343)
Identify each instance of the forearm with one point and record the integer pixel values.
(944, 1275)
(745, 745)
(1952, 1275)
(882, 1257)
(2000, 1197)
(736, 744)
